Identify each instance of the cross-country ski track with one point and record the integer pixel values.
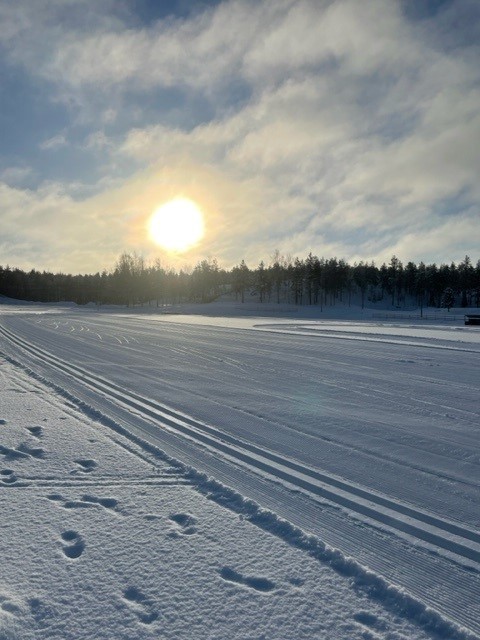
(427, 553)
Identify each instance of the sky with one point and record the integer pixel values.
(346, 128)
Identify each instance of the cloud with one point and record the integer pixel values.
(312, 149)
(54, 142)
(360, 38)
(339, 127)
(427, 241)
(14, 176)
(194, 52)
(97, 140)
(47, 229)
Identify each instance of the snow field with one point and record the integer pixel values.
(105, 540)
(363, 434)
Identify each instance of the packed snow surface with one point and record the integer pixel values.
(232, 475)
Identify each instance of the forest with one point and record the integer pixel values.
(300, 281)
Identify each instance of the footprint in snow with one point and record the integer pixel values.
(7, 476)
(68, 504)
(40, 610)
(84, 466)
(11, 454)
(140, 605)
(152, 516)
(263, 585)
(106, 503)
(22, 452)
(37, 432)
(72, 544)
(85, 502)
(33, 452)
(9, 607)
(296, 582)
(370, 620)
(185, 525)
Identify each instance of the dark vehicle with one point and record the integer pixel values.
(472, 318)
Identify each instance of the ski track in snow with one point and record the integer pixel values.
(301, 477)
(441, 533)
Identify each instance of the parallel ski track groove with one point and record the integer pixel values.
(262, 459)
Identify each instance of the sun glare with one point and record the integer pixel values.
(177, 225)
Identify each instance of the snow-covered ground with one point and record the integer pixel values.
(232, 475)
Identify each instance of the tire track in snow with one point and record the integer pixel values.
(441, 533)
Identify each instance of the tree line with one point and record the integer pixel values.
(307, 281)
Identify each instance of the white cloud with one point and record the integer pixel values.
(97, 140)
(362, 38)
(14, 176)
(435, 238)
(55, 142)
(109, 116)
(436, 161)
(47, 229)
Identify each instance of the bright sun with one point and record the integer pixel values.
(177, 225)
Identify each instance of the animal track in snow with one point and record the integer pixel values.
(85, 502)
(107, 503)
(68, 504)
(7, 606)
(73, 545)
(254, 582)
(22, 452)
(140, 605)
(85, 465)
(7, 476)
(37, 432)
(296, 582)
(185, 524)
(12, 454)
(40, 610)
(34, 452)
